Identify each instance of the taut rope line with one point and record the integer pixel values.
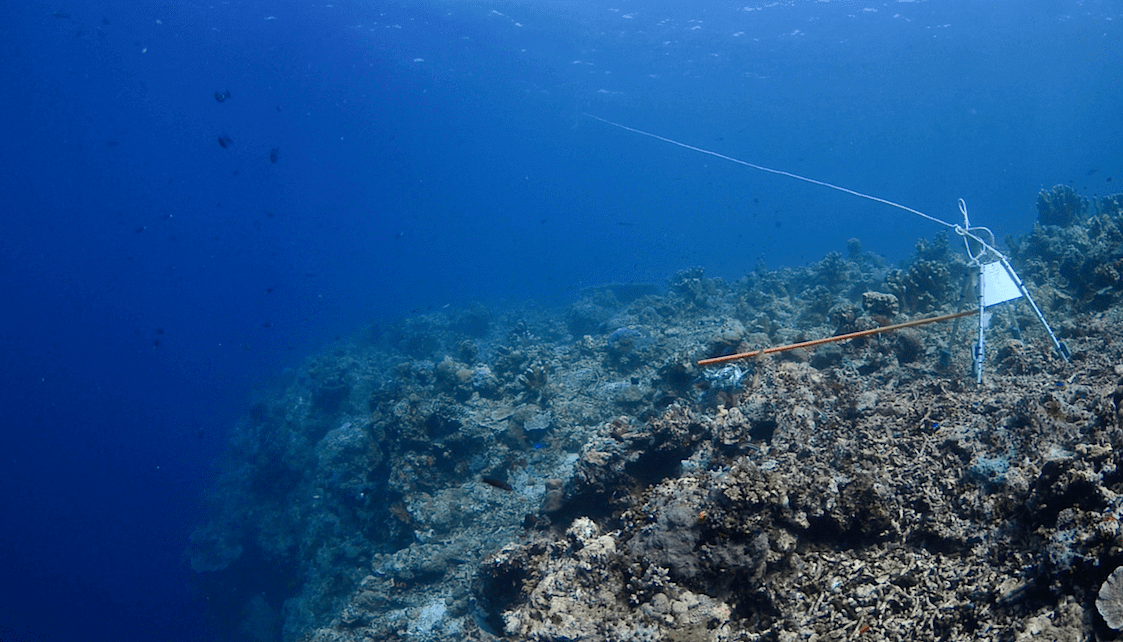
(776, 171)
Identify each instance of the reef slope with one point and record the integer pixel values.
(547, 475)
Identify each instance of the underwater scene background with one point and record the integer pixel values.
(354, 320)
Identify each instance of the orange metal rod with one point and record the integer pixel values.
(841, 337)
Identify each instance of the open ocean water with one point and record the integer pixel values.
(196, 196)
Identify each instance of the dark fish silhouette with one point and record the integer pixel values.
(221, 96)
(501, 485)
(225, 141)
(273, 155)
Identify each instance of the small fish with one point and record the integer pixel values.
(501, 485)
(273, 155)
(221, 96)
(225, 141)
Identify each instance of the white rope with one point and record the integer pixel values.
(964, 230)
(967, 231)
(781, 173)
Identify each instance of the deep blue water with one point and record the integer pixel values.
(431, 154)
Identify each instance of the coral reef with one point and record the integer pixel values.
(1078, 266)
(1061, 206)
(930, 279)
(548, 475)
